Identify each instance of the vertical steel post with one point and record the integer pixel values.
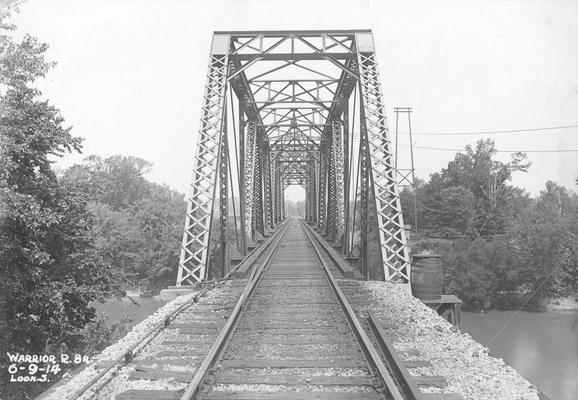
(346, 178)
(268, 201)
(282, 198)
(249, 175)
(307, 195)
(223, 194)
(278, 183)
(331, 192)
(314, 191)
(364, 198)
(312, 194)
(241, 161)
(322, 200)
(273, 195)
(338, 172)
(258, 221)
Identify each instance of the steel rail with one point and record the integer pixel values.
(255, 253)
(134, 349)
(403, 378)
(196, 383)
(371, 354)
(129, 354)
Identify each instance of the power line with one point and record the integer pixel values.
(523, 305)
(549, 128)
(498, 151)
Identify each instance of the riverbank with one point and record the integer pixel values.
(562, 304)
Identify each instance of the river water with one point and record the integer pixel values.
(542, 347)
(137, 310)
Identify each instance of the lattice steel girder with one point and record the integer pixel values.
(346, 179)
(258, 220)
(249, 174)
(373, 121)
(338, 172)
(331, 193)
(268, 200)
(244, 238)
(292, 45)
(273, 191)
(312, 190)
(322, 194)
(196, 237)
(223, 196)
(364, 199)
(278, 193)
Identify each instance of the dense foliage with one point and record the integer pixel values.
(471, 196)
(50, 268)
(65, 241)
(512, 249)
(138, 223)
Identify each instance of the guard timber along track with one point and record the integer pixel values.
(288, 332)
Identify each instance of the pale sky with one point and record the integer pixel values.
(130, 73)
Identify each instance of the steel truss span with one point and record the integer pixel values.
(286, 108)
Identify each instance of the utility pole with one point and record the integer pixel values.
(406, 176)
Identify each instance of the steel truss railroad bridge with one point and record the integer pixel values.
(288, 108)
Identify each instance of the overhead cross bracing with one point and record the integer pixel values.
(286, 108)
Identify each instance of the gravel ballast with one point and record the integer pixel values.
(70, 385)
(465, 363)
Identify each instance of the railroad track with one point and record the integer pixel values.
(294, 337)
(286, 332)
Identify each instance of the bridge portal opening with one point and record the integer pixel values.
(295, 201)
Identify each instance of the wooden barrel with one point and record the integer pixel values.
(426, 276)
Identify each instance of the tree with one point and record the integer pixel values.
(546, 239)
(516, 245)
(49, 267)
(159, 220)
(478, 270)
(451, 207)
(139, 223)
(483, 181)
(537, 257)
(117, 181)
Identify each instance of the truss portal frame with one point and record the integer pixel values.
(299, 122)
